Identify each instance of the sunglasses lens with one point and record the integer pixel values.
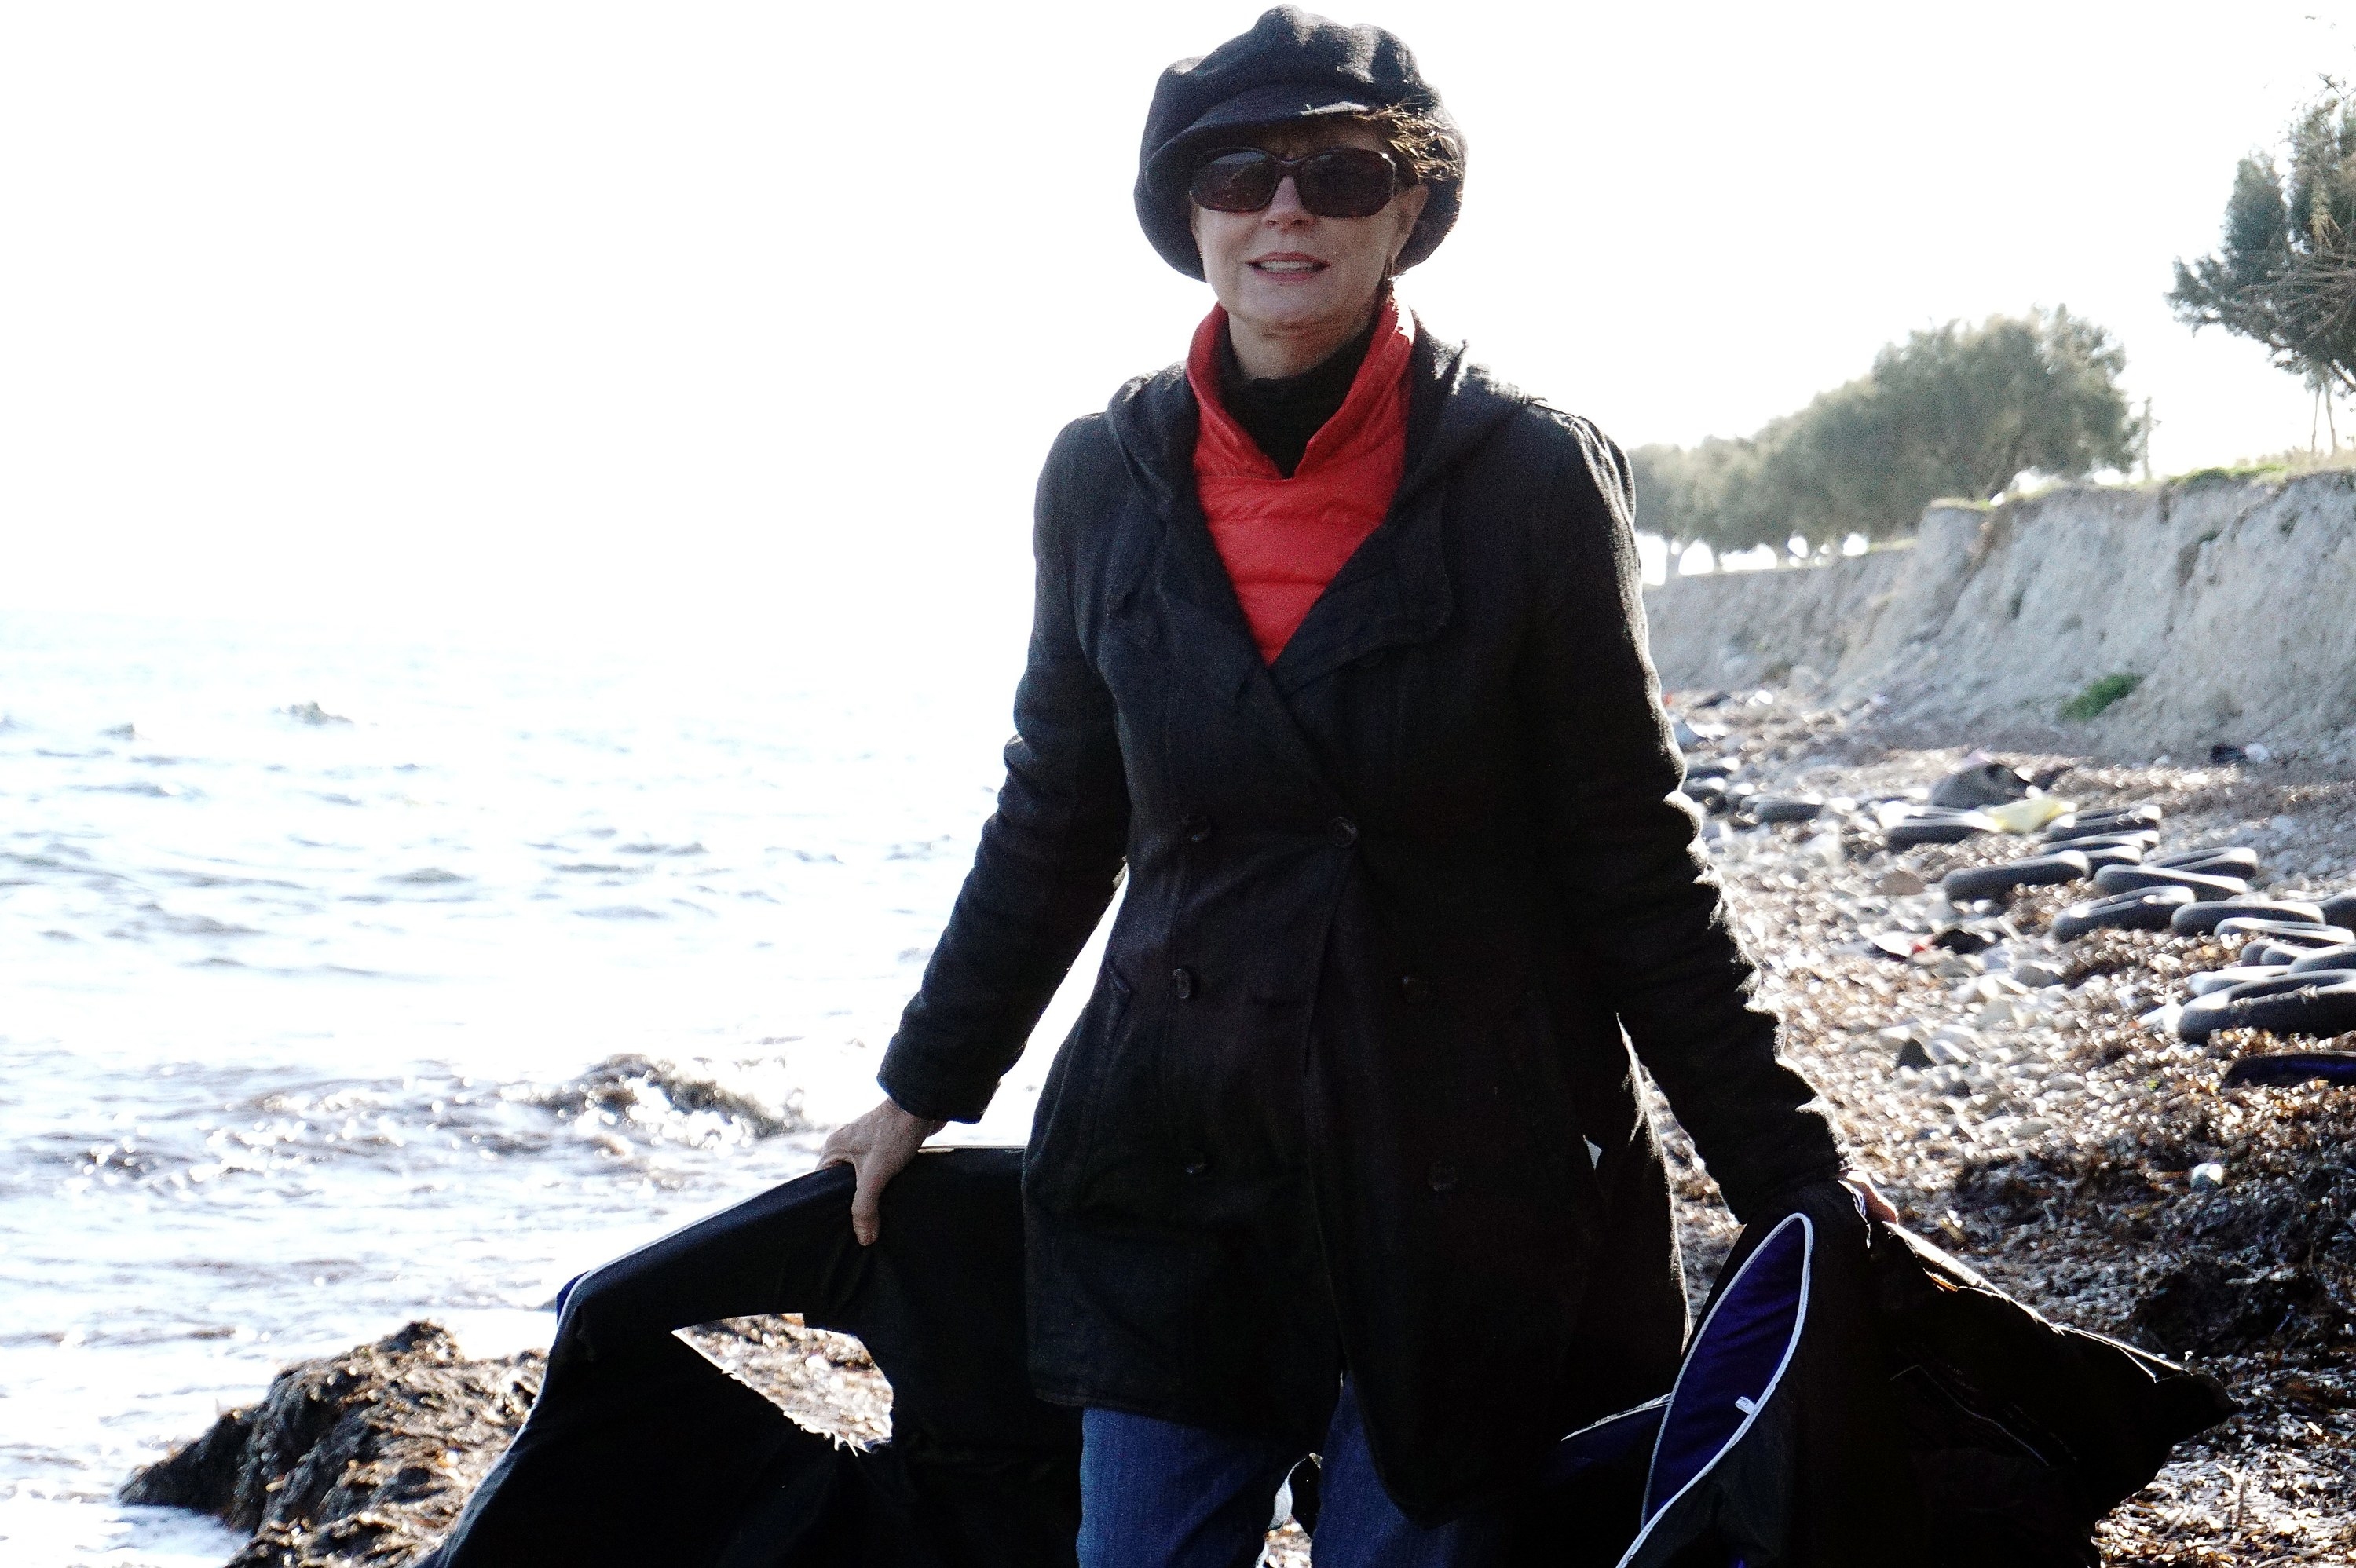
(1236, 182)
(1346, 182)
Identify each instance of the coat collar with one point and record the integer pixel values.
(1392, 592)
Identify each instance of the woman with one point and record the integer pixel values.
(1338, 651)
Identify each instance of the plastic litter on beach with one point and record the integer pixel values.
(2284, 1068)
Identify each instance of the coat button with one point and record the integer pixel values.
(1343, 832)
(1182, 984)
(1198, 1166)
(1196, 828)
(1415, 989)
(1441, 1175)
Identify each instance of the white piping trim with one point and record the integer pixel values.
(1807, 1269)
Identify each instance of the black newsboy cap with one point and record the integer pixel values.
(1290, 66)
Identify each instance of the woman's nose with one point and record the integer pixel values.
(1285, 206)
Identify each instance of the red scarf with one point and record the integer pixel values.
(1283, 539)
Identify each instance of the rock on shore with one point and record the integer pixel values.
(367, 1457)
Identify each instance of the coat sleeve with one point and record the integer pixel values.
(1050, 857)
(1623, 852)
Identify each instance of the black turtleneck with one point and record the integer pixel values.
(1281, 413)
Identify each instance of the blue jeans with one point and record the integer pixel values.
(1154, 1494)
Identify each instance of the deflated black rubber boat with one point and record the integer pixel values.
(1853, 1397)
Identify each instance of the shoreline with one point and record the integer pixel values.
(2055, 1156)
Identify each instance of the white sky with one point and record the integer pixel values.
(763, 316)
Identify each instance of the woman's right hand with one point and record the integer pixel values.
(877, 1146)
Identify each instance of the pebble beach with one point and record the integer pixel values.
(2022, 1100)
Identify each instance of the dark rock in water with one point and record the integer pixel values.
(312, 713)
(2206, 1305)
(365, 1457)
(1914, 1055)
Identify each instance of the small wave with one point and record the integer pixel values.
(425, 877)
(199, 925)
(638, 1089)
(138, 786)
(619, 912)
(312, 713)
(120, 732)
(591, 868)
(652, 848)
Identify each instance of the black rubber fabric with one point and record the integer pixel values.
(2320, 1003)
(2103, 855)
(2220, 862)
(2209, 917)
(1995, 881)
(2341, 956)
(2288, 947)
(2146, 909)
(2303, 935)
(2284, 1068)
(1938, 828)
(2340, 909)
(2136, 878)
(2125, 819)
(2143, 841)
(1785, 809)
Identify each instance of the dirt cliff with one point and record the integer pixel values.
(2227, 602)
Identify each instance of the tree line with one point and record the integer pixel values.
(1966, 411)
(1959, 410)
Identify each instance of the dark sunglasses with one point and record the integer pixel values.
(1339, 182)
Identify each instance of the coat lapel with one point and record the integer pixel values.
(1393, 591)
(1212, 642)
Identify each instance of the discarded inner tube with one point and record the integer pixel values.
(2340, 909)
(2101, 855)
(1995, 881)
(1944, 827)
(2280, 1068)
(2145, 909)
(2322, 1002)
(2119, 819)
(1785, 809)
(2298, 932)
(2203, 886)
(2225, 979)
(2290, 946)
(2146, 840)
(2340, 955)
(2209, 917)
(2226, 862)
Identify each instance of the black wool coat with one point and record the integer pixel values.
(1351, 1089)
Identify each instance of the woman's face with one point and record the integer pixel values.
(1284, 272)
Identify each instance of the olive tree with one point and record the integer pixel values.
(2284, 274)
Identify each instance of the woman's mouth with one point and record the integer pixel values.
(1287, 266)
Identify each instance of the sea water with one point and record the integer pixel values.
(347, 979)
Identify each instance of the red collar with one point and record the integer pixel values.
(1223, 448)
